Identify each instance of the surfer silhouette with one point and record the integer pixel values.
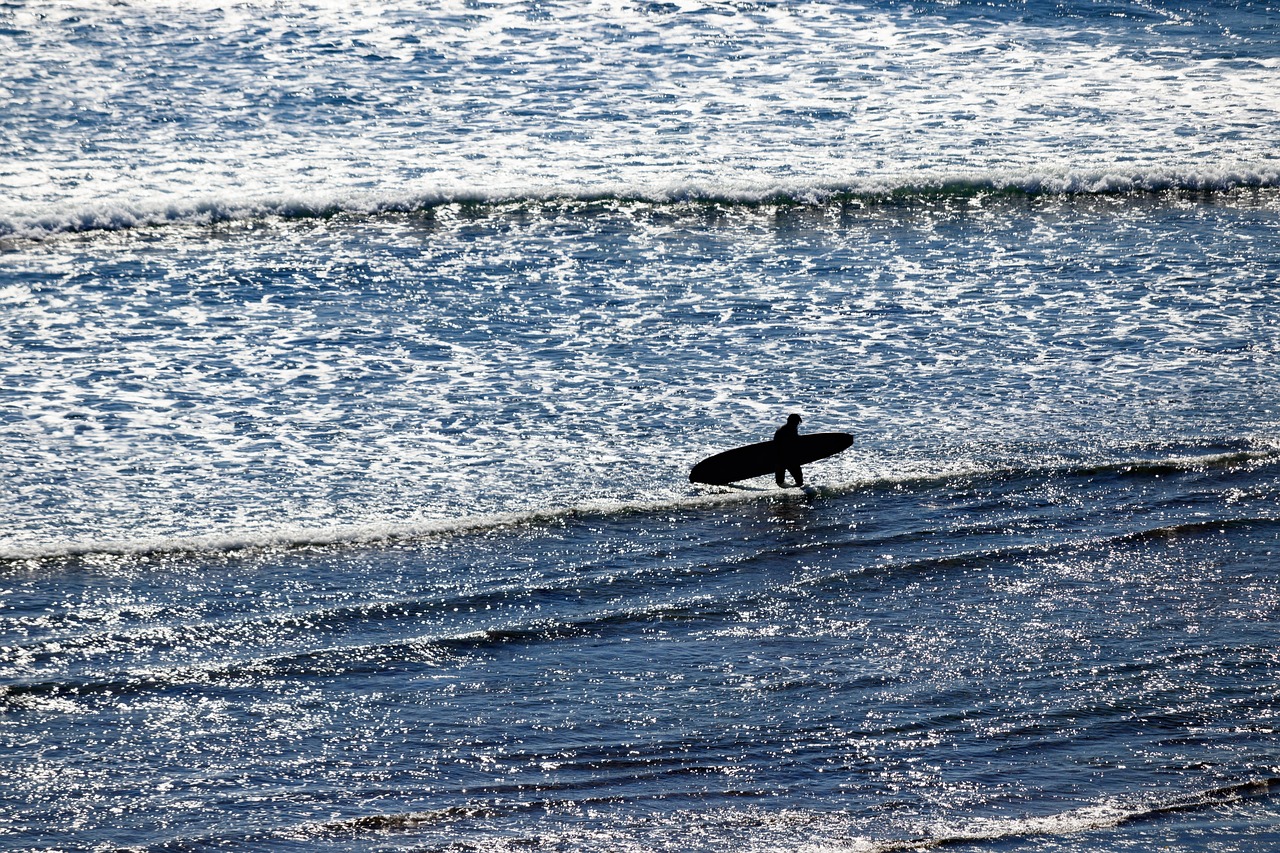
(786, 451)
(785, 439)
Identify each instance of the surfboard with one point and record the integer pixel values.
(757, 460)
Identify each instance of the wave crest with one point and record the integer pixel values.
(106, 216)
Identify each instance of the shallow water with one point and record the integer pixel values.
(402, 369)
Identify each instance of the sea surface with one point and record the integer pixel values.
(353, 358)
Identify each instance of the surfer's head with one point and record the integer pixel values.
(794, 419)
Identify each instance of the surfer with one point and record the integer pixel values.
(785, 438)
(786, 451)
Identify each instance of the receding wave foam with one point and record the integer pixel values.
(106, 216)
(354, 534)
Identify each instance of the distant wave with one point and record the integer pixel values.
(357, 535)
(871, 191)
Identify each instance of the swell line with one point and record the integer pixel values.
(328, 660)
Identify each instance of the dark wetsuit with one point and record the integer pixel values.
(785, 439)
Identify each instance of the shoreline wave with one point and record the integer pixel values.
(372, 534)
(1092, 818)
(103, 216)
(1103, 816)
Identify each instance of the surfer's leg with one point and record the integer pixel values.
(798, 475)
(779, 477)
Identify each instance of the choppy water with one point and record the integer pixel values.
(352, 363)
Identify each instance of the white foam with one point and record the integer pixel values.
(398, 108)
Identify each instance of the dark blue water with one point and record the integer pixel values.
(1010, 656)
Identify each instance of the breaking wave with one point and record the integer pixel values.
(871, 193)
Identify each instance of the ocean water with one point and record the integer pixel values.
(353, 361)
